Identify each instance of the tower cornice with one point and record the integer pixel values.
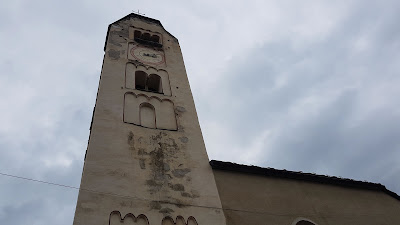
(134, 15)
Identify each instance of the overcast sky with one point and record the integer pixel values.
(307, 86)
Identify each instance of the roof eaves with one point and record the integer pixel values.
(309, 177)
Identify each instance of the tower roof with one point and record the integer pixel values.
(134, 15)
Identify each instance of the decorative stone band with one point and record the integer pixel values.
(130, 219)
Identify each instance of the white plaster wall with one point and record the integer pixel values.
(137, 170)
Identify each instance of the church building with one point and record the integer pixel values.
(146, 162)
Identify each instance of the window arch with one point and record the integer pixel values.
(146, 82)
(147, 79)
(303, 221)
(140, 80)
(137, 34)
(147, 115)
(179, 220)
(145, 37)
(116, 218)
(154, 83)
(155, 38)
(150, 112)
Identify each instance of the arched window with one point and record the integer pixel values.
(147, 115)
(179, 220)
(137, 34)
(155, 38)
(191, 221)
(154, 83)
(140, 80)
(148, 83)
(304, 222)
(146, 36)
(150, 112)
(116, 218)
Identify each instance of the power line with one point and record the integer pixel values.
(166, 202)
(104, 193)
(99, 192)
(39, 181)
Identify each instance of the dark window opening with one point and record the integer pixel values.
(140, 80)
(150, 83)
(147, 39)
(155, 38)
(303, 222)
(146, 36)
(154, 83)
(137, 34)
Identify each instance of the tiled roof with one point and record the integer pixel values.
(309, 177)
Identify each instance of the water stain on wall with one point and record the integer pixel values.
(162, 159)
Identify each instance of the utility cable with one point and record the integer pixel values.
(165, 202)
(39, 181)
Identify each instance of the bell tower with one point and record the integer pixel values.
(146, 161)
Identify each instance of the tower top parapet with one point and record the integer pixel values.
(138, 16)
(134, 15)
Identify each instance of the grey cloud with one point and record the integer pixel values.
(325, 102)
(350, 125)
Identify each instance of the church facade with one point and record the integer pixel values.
(146, 161)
